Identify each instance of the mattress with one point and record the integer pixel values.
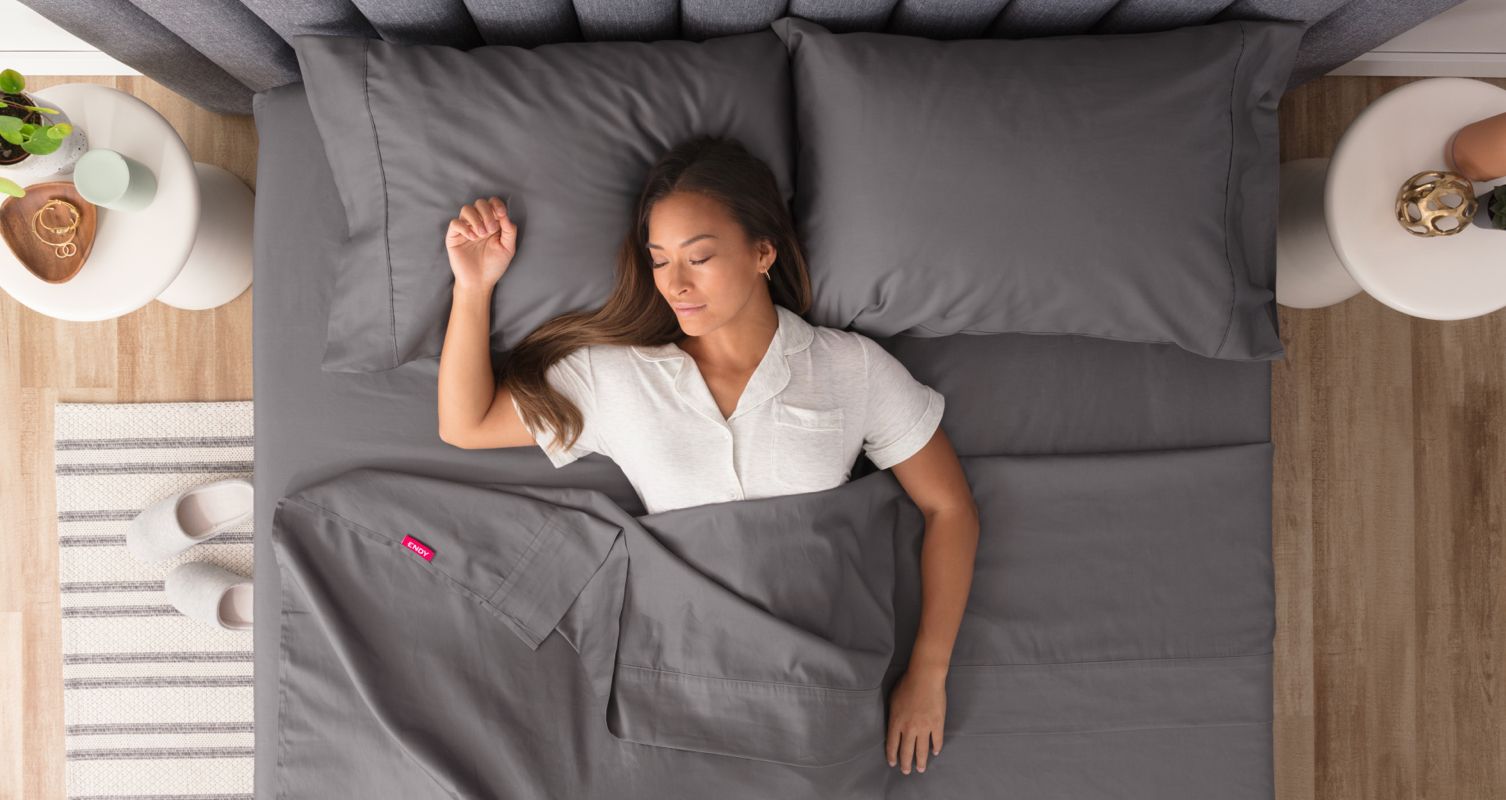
(1007, 395)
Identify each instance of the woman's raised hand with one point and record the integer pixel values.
(481, 242)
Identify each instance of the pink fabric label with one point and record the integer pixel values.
(423, 550)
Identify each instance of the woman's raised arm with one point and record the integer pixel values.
(474, 411)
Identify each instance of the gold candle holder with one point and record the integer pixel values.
(1422, 204)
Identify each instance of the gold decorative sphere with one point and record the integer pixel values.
(1423, 203)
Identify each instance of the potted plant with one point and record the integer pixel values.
(35, 141)
(1492, 213)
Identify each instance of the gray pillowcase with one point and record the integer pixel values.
(565, 132)
(1121, 186)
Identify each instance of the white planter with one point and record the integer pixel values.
(35, 169)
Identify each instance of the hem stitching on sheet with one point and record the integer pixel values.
(936, 334)
(1114, 661)
(741, 757)
(511, 581)
(282, 693)
(747, 680)
(1119, 454)
(1228, 183)
(376, 145)
(1069, 732)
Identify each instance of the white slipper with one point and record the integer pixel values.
(211, 594)
(176, 523)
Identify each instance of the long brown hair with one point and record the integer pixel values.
(635, 313)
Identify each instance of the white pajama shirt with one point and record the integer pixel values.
(818, 398)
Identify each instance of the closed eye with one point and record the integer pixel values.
(697, 263)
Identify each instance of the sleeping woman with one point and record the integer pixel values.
(701, 381)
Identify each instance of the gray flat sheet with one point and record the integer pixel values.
(747, 648)
(1119, 630)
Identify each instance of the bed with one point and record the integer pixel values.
(1082, 396)
(1119, 636)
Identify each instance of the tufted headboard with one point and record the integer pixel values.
(218, 52)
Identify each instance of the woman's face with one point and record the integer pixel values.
(704, 264)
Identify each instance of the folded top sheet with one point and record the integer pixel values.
(763, 631)
(1121, 605)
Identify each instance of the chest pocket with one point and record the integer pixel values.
(808, 447)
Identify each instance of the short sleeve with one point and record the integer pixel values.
(903, 413)
(573, 378)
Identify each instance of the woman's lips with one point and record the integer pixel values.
(685, 311)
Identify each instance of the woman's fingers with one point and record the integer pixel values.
(459, 233)
(910, 743)
(472, 220)
(487, 217)
(509, 228)
(922, 750)
(481, 219)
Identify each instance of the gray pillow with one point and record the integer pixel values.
(566, 132)
(1120, 186)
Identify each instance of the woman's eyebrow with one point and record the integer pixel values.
(687, 241)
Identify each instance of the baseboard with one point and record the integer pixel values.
(1466, 41)
(32, 45)
(63, 62)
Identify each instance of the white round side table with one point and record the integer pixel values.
(190, 248)
(1403, 133)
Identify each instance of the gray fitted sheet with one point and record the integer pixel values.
(1008, 395)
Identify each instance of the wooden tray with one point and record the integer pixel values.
(40, 259)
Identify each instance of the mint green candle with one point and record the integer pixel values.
(107, 178)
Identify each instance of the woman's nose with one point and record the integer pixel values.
(676, 282)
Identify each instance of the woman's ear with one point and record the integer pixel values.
(767, 250)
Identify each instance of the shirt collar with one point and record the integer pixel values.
(793, 335)
(769, 378)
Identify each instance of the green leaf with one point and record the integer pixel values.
(38, 109)
(10, 124)
(10, 187)
(59, 131)
(41, 145)
(13, 138)
(11, 82)
(1498, 208)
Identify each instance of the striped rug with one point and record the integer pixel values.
(155, 705)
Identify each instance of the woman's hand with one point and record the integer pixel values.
(481, 242)
(917, 715)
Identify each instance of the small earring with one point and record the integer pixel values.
(767, 277)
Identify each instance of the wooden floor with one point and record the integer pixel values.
(157, 353)
(1390, 506)
(1390, 534)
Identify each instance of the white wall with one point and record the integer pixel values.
(1468, 40)
(32, 45)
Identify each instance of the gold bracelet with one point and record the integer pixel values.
(65, 248)
(57, 203)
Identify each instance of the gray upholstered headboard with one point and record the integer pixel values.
(218, 52)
